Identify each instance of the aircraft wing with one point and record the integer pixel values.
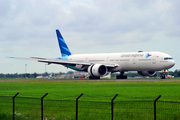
(65, 63)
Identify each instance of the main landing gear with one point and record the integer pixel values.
(121, 76)
(93, 78)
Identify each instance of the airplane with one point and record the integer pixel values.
(45, 76)
(97, 65)
(107, 75)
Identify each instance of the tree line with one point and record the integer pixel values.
(175, 73)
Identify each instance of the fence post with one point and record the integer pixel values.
(14, 103)
(77, 106)
(42, 105)
(155, 106)
(112, 106)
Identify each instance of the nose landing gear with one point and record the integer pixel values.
(163, 74)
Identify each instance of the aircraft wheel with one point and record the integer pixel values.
(90, 77)
(125, 77)
(118, 77)
(163, 77)
(93, 77)
(121, 77)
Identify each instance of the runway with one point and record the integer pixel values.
(141, 79)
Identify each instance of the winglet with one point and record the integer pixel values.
(62, 45)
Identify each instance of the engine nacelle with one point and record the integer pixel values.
(147, 73)
(97, 70)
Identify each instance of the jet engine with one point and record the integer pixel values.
(97, 70)
(147, 73)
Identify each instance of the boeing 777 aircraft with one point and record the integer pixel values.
(97, 65)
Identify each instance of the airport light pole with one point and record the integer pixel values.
(46, 74)
(25, 70)
(45, 68)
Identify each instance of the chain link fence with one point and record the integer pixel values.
(27, 108)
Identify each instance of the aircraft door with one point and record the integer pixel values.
(135, 65)
(154, 60)
(107, 59)
(134, 61)
(86, 60)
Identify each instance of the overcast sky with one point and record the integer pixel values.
(27, 28)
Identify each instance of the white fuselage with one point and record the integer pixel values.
(129, 61)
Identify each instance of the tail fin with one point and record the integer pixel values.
(62, 45)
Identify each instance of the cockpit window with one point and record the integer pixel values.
(168, 58)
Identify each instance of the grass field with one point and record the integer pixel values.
(100, 92)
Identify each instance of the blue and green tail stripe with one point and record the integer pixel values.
(62, 45)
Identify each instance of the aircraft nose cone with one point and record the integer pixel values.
(169, 64)
(172, 63)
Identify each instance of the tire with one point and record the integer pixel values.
(125, 77)
(118, 77)
(93, 77)
(121, 77)
(163, 77)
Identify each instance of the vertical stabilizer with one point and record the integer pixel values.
(62, 45)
